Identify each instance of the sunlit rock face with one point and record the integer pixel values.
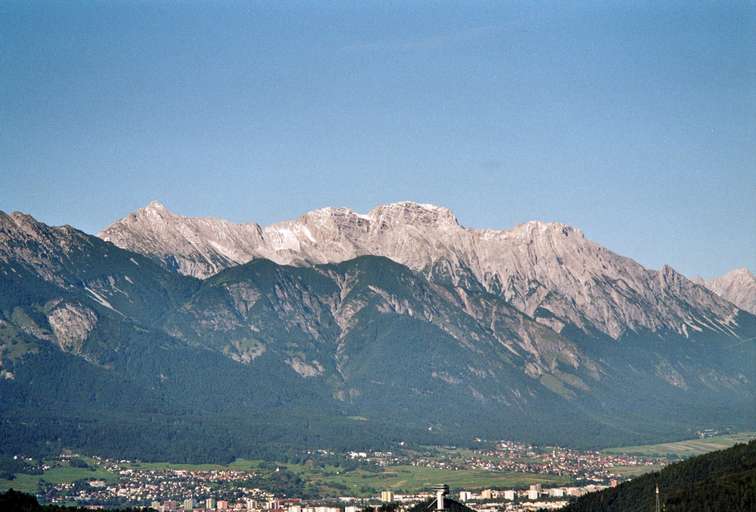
(549, 271)
(72, 324)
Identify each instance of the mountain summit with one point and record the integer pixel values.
(549, 271)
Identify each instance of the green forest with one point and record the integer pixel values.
(719, 481)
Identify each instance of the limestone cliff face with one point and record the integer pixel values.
(72, 324)
(549, 271)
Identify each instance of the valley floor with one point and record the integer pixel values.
(320, 474)
(687, 448)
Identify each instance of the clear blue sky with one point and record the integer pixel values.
(634, 122)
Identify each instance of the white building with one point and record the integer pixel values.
(509, 495)
(465, 496)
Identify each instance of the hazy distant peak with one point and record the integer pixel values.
(739, 273)
(738, 286)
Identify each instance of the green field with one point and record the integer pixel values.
(334, 481)
(633, 471)
(328, 480)
(25, 483)
(56, 475)
(413, 479)
(189, 467)
(684, 449)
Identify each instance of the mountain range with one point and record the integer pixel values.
(342, 330)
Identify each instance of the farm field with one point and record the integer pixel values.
(328, 480)
(334, 481)
(56, 475)
(634, 471)
(685, 449)
(414, 479)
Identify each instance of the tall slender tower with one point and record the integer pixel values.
(658, 508)
(441, 491)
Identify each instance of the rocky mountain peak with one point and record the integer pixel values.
(669, 278)
(156, 208)
(330, 216)
(196, 246)
(536, 229)
(411, 213)
(22, 226)
(19, 220)
(547, 270)
(155, 205)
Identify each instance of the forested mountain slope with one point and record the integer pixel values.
(719, 481)
(108, 350)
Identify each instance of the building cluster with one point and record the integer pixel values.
(148, 486)
(171, 489)
(379, 458)
(185, 499)
(591, 466)
(535, 497)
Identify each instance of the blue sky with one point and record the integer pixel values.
(635, 122)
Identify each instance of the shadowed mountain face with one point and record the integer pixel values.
(433, 349)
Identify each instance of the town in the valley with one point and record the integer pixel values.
(542, 478)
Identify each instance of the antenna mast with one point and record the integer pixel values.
(658, 508)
